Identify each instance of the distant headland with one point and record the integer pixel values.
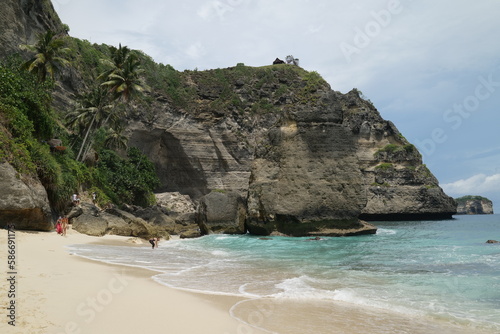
(474, 205)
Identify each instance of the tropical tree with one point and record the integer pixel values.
(123, 78)
(93, 111)
(126, 82)
(116, 61)
(115, 138)
(48, 59)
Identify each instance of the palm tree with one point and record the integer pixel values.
(123, 78)
(48, 59)
(115, 139)
(126, 82)
(118, 56)
(93, 112)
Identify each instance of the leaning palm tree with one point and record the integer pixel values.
(94, 111)
(48, 59)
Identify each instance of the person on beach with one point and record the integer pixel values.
(64, 225)
(59, 229)
(76, 199)
(94, 198)
(157, 241)
(152, 241)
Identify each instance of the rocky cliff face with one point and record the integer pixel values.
(266, 150)
(474, 205)
(24, 202)
(22, 20)
(304, 158)
(398, 186)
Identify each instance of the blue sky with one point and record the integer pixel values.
(431, 67)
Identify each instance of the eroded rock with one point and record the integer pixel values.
(24, 202)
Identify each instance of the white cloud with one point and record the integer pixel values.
(479, 184)
(196, 50)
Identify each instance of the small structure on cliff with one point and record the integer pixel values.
(278, 61)
(474, 205)
(292, 60)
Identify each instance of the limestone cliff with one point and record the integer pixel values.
(304, 158)
(398, 186)
(22, 20)
(24, 202)
(474, 205)
(268, 150)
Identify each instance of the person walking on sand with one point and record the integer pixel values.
(59, 228)
(64, 226)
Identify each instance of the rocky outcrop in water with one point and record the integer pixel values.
(474, 205)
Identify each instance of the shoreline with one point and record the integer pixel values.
(60, 293)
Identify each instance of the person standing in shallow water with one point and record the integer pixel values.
(152, 241)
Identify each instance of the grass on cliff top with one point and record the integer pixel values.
(235, 88)
(464, 199)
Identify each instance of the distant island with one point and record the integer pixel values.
(474, 205)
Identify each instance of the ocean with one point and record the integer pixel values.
(410, 277)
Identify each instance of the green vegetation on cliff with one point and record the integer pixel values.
(464, 199)
(27, 122)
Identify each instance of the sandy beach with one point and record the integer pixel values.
(53, 291)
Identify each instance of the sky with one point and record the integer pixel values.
(431, 67)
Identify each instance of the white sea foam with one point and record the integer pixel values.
(219, 253)
(386, 231)
(299, 288)
(223, 237)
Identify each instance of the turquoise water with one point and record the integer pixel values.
(417, 271)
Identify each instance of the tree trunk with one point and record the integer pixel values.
(85, 138)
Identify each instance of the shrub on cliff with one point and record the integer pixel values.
(27, 120)
(126, 181)
(464, 199)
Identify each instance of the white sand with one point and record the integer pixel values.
(57, 292)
